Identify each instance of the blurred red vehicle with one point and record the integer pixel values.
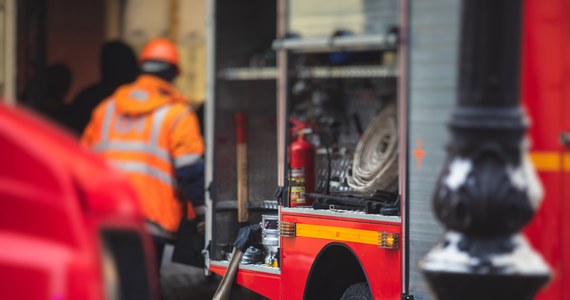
(70, 227)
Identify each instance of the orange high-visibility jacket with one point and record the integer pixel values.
(147, 130)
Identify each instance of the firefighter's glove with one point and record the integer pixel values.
(200, 224)
(246, 237)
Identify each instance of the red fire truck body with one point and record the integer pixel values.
(336, 237)
(329, 242)
(70, 226)
(331, 250)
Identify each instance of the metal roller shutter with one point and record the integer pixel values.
(433, 66)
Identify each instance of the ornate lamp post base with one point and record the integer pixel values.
(462, 267)
(488, 190)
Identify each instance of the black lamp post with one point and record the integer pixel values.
(488, 190)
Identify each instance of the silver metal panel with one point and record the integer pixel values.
(403, 64)
(256, 73)
(257, 268)
(433, 70)
(339, 213)
(282, 93)
(270, 73)
(349, 72)
(209, 121)
(383, 41)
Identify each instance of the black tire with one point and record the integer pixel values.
(357, 291)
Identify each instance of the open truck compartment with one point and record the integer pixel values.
(240, 34)
(340, 86)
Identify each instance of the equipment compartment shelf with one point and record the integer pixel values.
(387, 41)
(249, 267)
(320, 72)
(248, 73)
(338, 213)
(348, 72)
(232, 204)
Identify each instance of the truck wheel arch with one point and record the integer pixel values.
(334, 270)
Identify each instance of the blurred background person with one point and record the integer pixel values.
(46, 93)
(118, 67)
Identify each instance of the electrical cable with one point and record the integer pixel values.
(324, 139)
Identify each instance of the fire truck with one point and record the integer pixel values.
(337, 74)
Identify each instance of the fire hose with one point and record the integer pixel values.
(375, 163)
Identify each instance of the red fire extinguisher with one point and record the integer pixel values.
(302, 164)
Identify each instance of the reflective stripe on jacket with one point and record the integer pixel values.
(146, 130)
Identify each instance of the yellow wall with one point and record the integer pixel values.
(181, 20)
(8, 51)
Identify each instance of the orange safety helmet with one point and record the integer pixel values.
(160, 50)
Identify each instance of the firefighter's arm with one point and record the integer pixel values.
(187, 149)
(92, 131)
(88, 136)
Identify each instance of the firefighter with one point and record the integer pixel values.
(147, 130)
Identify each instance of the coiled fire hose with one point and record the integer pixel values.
(375, 163)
